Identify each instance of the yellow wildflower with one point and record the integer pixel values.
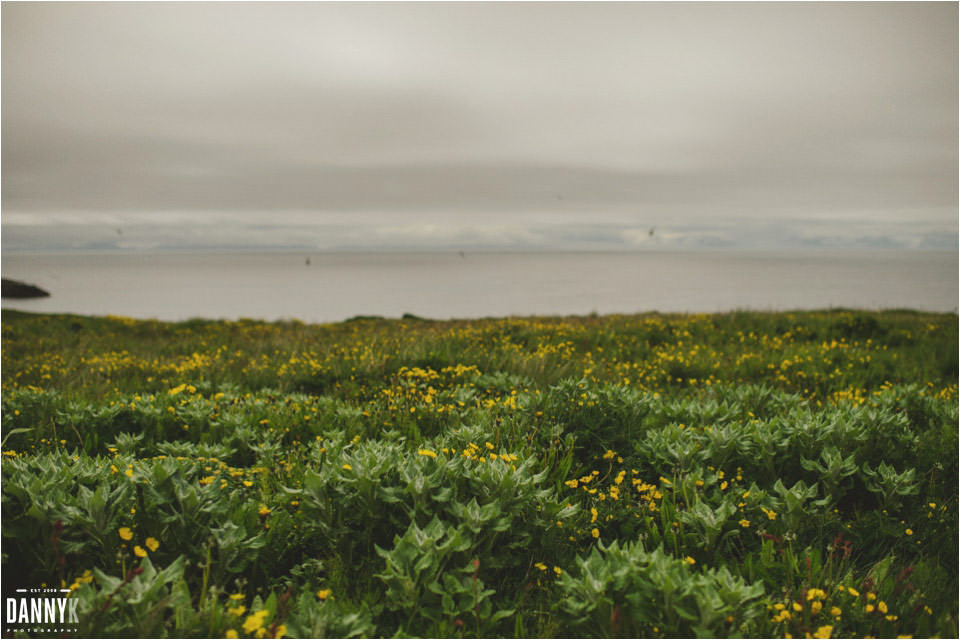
(541, 566)
(882, 606)
(744, 522)
(427, 452)
(823, 632)
(125, 533)
(595, 532)
(254, 621)
(347, 467)
(781, 616)
(323, 594)
(139, 551)
(231, 633)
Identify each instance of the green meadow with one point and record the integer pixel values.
(734, 475)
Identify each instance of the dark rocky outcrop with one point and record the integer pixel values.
(15, 289)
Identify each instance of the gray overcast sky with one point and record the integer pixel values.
(479, 124)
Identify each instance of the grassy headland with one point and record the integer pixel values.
(756, 474)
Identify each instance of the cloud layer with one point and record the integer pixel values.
(434, 124)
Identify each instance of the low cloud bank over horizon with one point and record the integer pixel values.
(455, 126)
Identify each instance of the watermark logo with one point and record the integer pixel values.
(40, 610)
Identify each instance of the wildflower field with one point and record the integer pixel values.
(742, 474)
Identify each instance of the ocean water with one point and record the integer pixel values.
(442, 285)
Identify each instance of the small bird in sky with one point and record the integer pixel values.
(651, 231)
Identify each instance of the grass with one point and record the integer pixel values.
(751, 474)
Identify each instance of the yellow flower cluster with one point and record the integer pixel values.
(254, 624)
(126, 534)
(85, 578)
(473, 452)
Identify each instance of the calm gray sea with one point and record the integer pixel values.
(336, 286)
